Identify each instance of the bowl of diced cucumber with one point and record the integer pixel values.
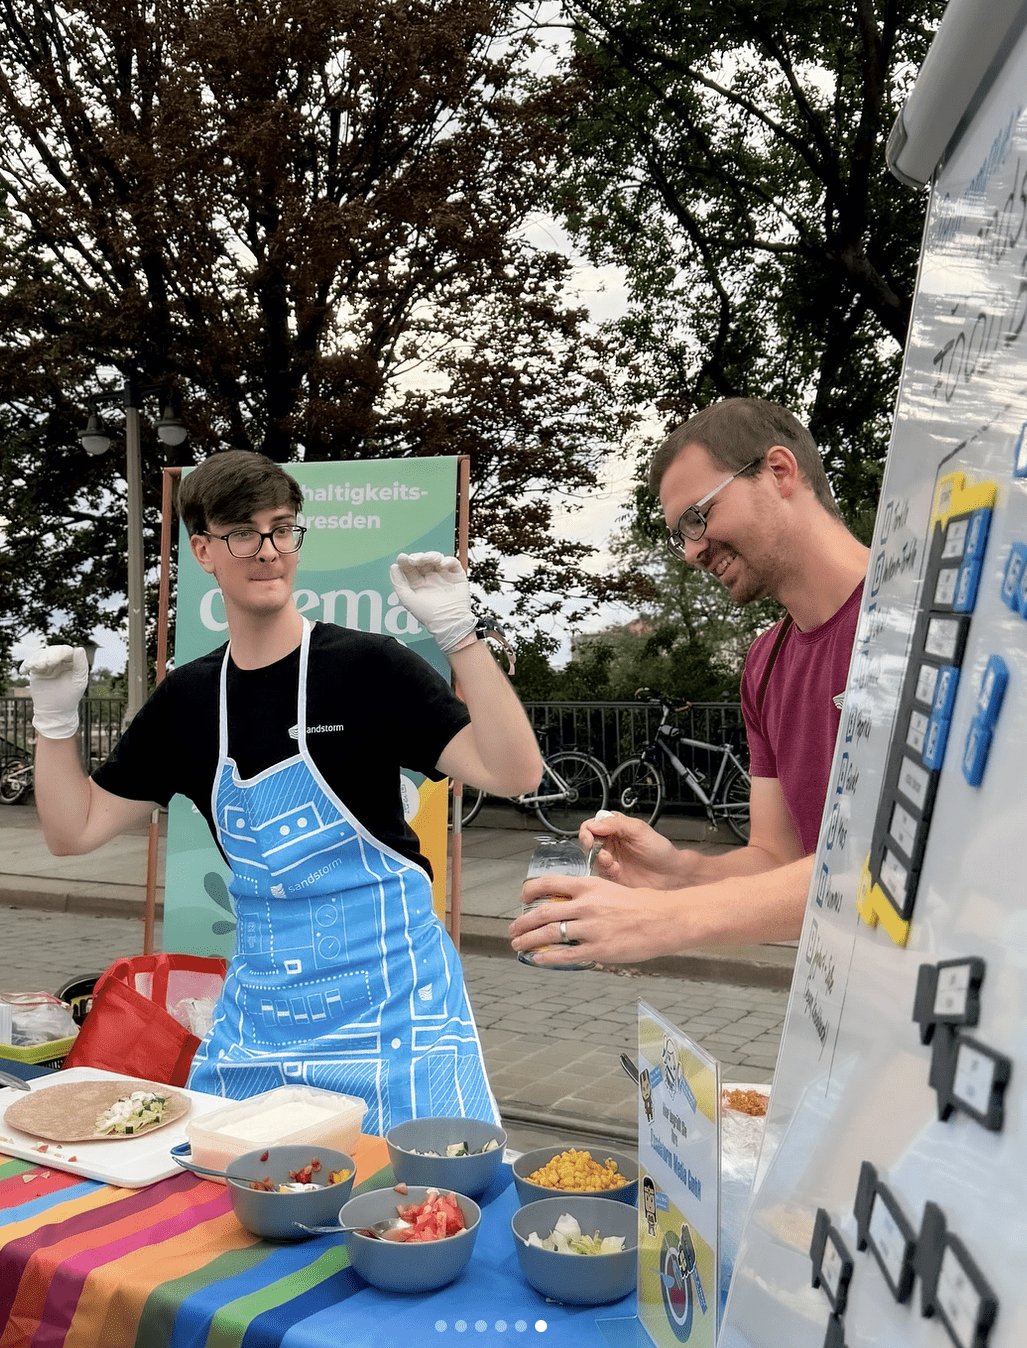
(460, 1154)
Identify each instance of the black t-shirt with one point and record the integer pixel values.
(373, 706)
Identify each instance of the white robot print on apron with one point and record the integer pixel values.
(343, 976)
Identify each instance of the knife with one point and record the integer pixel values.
(7, 1079)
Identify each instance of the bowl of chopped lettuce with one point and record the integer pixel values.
(580, 1251)
(460, 1154)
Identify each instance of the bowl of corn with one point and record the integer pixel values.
(550, 1171)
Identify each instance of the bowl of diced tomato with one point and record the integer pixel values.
(429, 1251)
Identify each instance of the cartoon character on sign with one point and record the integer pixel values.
(645, 1085)
(671, 1066)
(649, 1203)
(682, 1286)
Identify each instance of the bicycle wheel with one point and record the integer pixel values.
(576, 786)
(15, 780)
(636, 789)
(733, 804)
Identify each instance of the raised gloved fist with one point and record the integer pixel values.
(58, 676)
(436, 591)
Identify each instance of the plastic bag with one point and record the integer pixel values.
(38, 1018)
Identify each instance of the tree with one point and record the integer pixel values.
(308, 216)
(730, 157)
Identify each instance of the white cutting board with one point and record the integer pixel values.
(130, 1164)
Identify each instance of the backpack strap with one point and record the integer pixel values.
(775, 651)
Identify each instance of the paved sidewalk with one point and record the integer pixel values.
(552, 1040)
(112, 882)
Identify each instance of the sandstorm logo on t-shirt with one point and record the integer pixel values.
(294, 730)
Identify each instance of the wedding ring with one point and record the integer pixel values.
(563, 933)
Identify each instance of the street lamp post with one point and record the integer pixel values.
(95, 440)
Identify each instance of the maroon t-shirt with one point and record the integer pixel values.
(792, 735)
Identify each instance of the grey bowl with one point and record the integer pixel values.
(396, 1267)
(578, 1279)
(530, 1161)
(271, 1215)
(464, 1174)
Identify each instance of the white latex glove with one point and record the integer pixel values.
(58, 676)
(436, 591)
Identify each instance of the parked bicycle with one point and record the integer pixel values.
(17, 778)
(637, 785)
(573, 788)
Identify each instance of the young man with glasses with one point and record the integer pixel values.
(289, 740)
(745, 497)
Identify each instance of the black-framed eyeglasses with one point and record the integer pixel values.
(248, 542)
(692, 524)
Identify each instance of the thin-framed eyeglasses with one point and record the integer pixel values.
(692, 524)
(248, 542)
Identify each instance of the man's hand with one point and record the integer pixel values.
(435, 590)
(610, 924)
(58, 676)
(633, 853)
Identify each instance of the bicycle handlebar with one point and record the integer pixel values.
(662, 702)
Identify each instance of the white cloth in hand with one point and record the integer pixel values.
(58, 676)
(436, 591)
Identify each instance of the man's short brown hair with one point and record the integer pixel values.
(738, 430)
(232, 486)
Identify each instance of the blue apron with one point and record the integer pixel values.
(343, 976)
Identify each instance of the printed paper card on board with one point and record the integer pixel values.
(679, 1185)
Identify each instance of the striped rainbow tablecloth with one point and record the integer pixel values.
(87, 1265)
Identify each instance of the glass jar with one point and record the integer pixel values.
(555, 856)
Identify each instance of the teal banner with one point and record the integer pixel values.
(358, 517)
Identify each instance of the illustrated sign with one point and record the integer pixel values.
(678, 1185)
(358, 516)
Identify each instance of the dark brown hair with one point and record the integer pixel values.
(738, 430)
(232, 486)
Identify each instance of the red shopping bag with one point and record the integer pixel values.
(138, 1023)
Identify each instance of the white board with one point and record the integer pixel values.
(131, 1164)
(855, 1145)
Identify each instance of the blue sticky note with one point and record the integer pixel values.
(1016, 564)
(977, 534)
(1020, 453)
(993, 688)
(975, 752)
(934, 742)
(965, 598)
(945, 689)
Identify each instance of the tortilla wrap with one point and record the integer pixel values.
(68, 1113)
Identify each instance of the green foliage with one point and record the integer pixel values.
(730, 157)
(312, 219)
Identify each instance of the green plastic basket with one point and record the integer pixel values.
(50, 1054)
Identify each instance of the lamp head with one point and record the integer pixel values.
(94, 438)
(171, 428)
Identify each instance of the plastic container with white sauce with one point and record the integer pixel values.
(288, 1114)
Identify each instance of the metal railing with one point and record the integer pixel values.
(100, 725)
(612, 731)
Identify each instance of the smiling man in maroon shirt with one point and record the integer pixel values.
(745, 497)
